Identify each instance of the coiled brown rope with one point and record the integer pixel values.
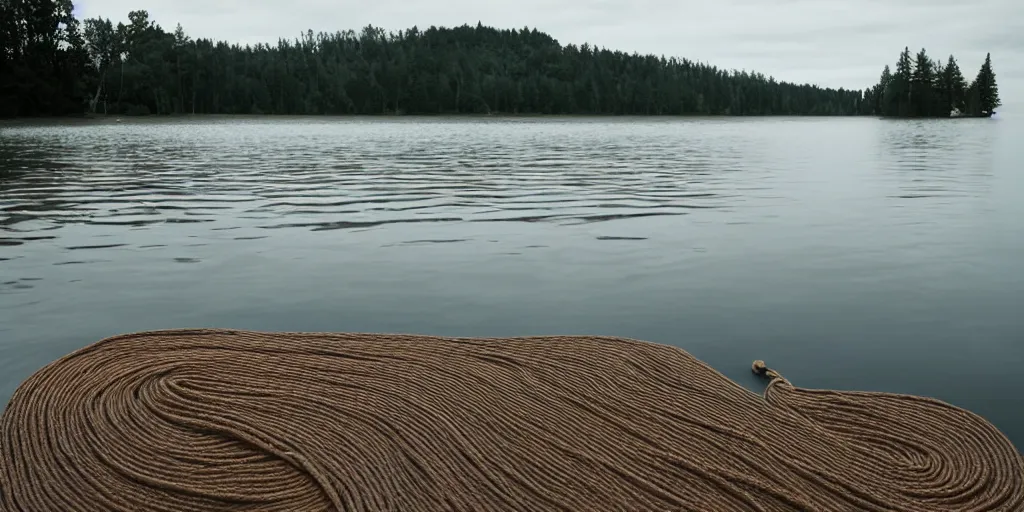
(228, 420)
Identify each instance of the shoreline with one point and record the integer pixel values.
(114, 118)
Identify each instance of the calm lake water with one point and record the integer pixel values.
(847, 253)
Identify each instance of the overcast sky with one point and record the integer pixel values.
(837, 43)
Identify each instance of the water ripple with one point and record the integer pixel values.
(205, 177)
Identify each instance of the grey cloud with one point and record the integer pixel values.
(1005, 39)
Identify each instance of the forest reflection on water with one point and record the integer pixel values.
(848, 253)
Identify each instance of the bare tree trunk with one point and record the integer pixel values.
(120, 93)
(99, 88)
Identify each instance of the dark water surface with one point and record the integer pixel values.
(847, 253)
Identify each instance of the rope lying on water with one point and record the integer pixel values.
(230, 420)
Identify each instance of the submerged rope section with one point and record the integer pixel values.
(231, 420)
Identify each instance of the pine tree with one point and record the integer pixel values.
(879, 91)
(923, 103)
(988, 92)
(954, 87)
(898, 93)
(973, 99)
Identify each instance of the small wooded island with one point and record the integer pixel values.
(921, 87)
(50, 64)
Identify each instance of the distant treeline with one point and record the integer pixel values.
(50, 65)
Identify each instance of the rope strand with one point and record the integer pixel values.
(221, 420)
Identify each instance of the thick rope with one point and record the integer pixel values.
(230, 420)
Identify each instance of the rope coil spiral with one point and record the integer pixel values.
(220, 420)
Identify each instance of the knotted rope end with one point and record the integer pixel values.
(759, 367)
(762, 369)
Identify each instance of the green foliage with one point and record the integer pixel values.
(138, 67)
(898, 93)
(48, 67)
(440, 70)
(953, 87)
(925, 88)
(923, 101)
(42, 58)
(987, 90)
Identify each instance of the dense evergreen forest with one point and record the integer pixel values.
(50, 64)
